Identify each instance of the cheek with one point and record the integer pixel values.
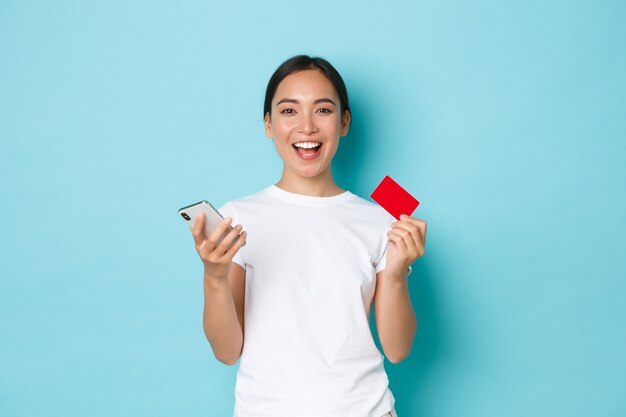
(330, 124)
(284, 127)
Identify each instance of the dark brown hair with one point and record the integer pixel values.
(300, 63)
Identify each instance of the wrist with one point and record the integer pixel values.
(213, 280)
(398, 276)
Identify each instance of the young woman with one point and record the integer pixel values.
(294, 302)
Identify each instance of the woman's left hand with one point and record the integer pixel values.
(407, 238)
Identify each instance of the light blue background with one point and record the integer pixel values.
(505, 119)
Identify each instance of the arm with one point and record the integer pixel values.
(395, 319)
(223, 314)
(224, 284)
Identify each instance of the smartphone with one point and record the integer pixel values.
(212, 218)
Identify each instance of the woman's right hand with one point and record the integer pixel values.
(216, 257)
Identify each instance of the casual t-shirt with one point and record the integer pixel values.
(311, 265)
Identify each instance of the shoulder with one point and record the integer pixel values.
(368, 215)
(367, 209)
(242, 203)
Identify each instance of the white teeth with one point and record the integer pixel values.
(307, 145)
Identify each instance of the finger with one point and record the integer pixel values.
(421, 225)
(241, 241)
(227, 241)
(215, 236)
(398, 240)
(409, 240)
(414, 220)
(411, 228)
(411, 243)
(198, 229)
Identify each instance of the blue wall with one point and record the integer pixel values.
(505, 119)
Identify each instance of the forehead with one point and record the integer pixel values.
(305, 85)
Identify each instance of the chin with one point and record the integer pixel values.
(312, 172)
(309, 173)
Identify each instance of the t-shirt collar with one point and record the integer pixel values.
(307, 199)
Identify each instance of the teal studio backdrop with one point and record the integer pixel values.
(505, 119)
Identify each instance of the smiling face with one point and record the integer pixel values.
(306, 124)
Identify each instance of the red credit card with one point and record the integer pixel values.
(393, 198)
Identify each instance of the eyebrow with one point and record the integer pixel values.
(319, 100)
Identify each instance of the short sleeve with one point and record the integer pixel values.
(380, 264)
(227, 210)
(382, 260)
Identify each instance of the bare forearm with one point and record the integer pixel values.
(395, 319)
(221, 326)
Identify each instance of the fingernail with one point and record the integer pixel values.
(228, 220)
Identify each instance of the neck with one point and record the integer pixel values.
(322, 185)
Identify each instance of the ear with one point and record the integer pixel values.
(268, 125)
(345, 123)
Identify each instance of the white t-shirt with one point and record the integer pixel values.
(311, 265)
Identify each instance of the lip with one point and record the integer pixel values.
(307, 140)
(311, 157)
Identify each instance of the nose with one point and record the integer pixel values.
(307, 123)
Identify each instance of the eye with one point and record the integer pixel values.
(324, 110)
(287, 111)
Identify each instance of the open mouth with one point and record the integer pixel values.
(307, 150)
